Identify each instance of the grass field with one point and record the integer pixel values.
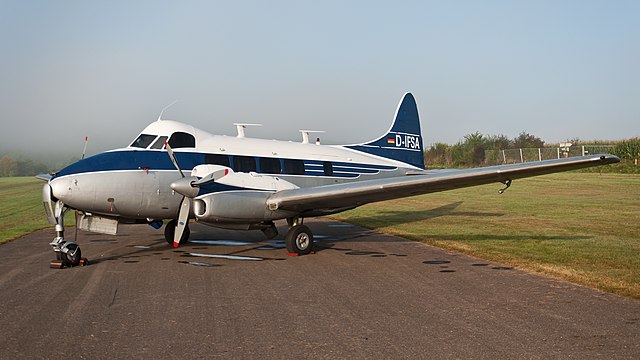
(21, 208)
(580, 227)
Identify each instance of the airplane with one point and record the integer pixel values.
(176, 172)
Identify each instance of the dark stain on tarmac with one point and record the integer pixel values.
(360, 253)
(502, 268)
(480, 264)
(436, 262)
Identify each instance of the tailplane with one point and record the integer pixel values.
(403, 141)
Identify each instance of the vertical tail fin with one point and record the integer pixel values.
(403, 141)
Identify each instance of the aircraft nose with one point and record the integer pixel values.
(59, 189)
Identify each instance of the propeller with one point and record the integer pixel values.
(188, 187)
(185, 204)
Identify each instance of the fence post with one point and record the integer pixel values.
(582, 150)
(504, 157)
(521, 158)
(558, 153)
(539, 155)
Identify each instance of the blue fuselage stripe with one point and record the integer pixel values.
(156, 160)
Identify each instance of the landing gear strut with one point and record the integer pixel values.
(299, 238)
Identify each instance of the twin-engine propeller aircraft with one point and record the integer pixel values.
(177, 172)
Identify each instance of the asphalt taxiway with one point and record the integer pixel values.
(231, 294)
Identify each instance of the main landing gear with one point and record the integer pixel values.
(299, 238)
(68, 253)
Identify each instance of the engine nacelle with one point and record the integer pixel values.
(241, 206)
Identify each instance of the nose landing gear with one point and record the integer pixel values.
(68, 253)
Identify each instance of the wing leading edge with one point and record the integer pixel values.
(354, 194)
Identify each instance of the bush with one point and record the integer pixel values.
(628, 149)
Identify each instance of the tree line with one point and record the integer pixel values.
(470, 151)
(21, 165)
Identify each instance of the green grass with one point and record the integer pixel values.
(21, 210)
(580, 227)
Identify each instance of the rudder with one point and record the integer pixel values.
(403, 141)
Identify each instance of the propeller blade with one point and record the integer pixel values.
(183, 220)
(214, 176)
(172, 156)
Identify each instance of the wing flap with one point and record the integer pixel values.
(363, 192)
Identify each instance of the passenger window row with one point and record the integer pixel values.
(264, 165)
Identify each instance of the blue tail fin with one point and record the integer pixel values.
(403, 141)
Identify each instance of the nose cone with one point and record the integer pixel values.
(60, 189)
(184, 186)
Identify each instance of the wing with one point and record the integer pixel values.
(349, 195)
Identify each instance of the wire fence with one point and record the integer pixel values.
(514, 156)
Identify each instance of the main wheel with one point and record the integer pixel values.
(170, 230)
(299, 240)
(72, 255)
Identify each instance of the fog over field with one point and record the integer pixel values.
(559, 70)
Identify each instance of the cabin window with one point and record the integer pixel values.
(182, 140)
(143, 141)
(293, 167)
(217, 159)
(328, 168)
(159, 144)
(270, 165)
(244, 164)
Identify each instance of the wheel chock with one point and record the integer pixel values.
(56, 264)
(59, 264)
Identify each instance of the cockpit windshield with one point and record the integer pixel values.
(159, 144)
(143, 141)
(178, 139)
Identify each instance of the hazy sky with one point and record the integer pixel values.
(557, 69)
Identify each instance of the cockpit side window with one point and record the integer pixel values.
(182, 140)
(159, 144)
(143, 141)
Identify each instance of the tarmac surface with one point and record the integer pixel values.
(361, 295)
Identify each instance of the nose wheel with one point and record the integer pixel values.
(68, 255)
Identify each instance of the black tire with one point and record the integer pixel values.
(299, 240)
(73, 255)
(170, 230)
